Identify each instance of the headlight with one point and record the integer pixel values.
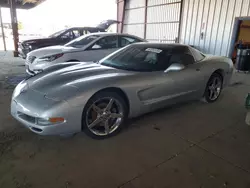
(27, 46)
(20, 88)
(49, 121)
(50, 58)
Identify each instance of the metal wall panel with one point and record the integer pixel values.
(163, 20)
(159, 2)
(134, 4)
(133, 16)
(164, 13)
(137, 29)
(208, 24)
(162, 32)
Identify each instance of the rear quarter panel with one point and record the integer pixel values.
(215, 63)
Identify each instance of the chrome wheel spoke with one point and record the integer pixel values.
(218, 85)
(108, 107)
(115, 115)
(97, 109)
(95, 122)
(217, 92)
(211, 94)
(210, 88)
(215, 81)
(106, 126)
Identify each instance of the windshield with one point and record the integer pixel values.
(56, 34)
(138, 58)
(82, 41)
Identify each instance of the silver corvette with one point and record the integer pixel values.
(97, 98)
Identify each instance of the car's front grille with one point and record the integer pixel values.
(26, 117)
(30, 59)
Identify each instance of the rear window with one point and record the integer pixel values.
(198, 56)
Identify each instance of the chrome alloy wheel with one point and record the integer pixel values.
(104, 116)
(214, 88)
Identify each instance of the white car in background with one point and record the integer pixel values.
(88, 48)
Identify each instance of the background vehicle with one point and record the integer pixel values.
(90, 47)
(97, 98)
(61, 37)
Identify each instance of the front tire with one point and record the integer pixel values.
(213, 88)
(104, 115)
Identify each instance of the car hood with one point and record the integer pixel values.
(51, 50)
(37, 40)
(75, 76)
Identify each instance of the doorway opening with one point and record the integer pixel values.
(240, 36)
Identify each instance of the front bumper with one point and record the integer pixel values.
(27, 113)
(248, 118)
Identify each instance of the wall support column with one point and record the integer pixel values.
(3, 35)
(120, 14)
(14, 25)
(145, 19)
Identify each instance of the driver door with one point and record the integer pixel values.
(173, 86)
(187, 83)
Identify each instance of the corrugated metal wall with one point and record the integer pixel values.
(134, 17)
(163, 18)
(208, 24)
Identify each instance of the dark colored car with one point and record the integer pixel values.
(61, 37)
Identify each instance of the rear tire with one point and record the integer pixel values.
(213, 88)
(104, 115)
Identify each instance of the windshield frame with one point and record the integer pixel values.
(58, 33)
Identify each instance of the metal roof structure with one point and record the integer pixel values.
(22, 4)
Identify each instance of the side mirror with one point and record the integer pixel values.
(175, 67)
(96, 46)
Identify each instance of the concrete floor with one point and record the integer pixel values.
(189, 145)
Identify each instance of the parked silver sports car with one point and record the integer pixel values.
(97, 97)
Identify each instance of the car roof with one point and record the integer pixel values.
(84, 28)
(103, 34)
(160, 45)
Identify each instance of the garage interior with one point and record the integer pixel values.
(205, 24)
(189, 145)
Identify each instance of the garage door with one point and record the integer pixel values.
(155, 20)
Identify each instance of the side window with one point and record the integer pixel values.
(86, 32)
(197, 55)
(106, 43)
(184, 59)
(68, 35)
(76, 33)
(124, 40)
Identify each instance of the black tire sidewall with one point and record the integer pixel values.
(206, 94)
(95, 98)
